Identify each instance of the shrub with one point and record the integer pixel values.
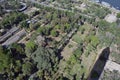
(118, 15)
(54, 33)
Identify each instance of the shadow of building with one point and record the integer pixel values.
(99, 65)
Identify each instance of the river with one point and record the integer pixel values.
(113, 3)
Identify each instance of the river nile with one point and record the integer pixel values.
(114, 3)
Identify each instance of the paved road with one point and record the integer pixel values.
(58, 8)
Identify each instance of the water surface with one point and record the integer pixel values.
(114, 3)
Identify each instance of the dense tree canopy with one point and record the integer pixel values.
(118, 15)
(24, 24)
(27, 68)
(45, 30)
(30, 48)
(45, 58)
(12, 18)
(5, 60)
(54, 33)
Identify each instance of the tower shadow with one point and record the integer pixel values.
(99, 65)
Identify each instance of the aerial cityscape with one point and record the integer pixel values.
(59, 39)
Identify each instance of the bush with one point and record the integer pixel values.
(54, 33)
(30, 48)
(44, 30)
(12, 18)
(27, 68)
(5, 60)
(118, 15)
(45, 58)
(94, 40)
(24, 24)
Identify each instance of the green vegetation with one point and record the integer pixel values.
(11, 19)
(11, 61)
(60, 44)
(46, 60)
(73, 63)
(54, 33)
(44, 30)
(5, 60)
(27, 68)
(94, 41)
(118, 15)
(24, 24)
(30, 48)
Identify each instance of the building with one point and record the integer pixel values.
(15, 38)
(8, 34)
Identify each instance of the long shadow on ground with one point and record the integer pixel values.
(99, 65)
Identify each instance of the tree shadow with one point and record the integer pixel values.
(99, 65)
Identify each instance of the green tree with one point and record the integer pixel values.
(17, 48)
(20, 77)
(94, 40)
(57, 27)
(17, 66)
(45, 58)
(54, 33)
(103, 25)
(44, 30)
(47, 30)
(1, 10)
(24, 24)
(30, 48)
(5, 60)
(118, 15)
(13, 18)
(27, 68)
